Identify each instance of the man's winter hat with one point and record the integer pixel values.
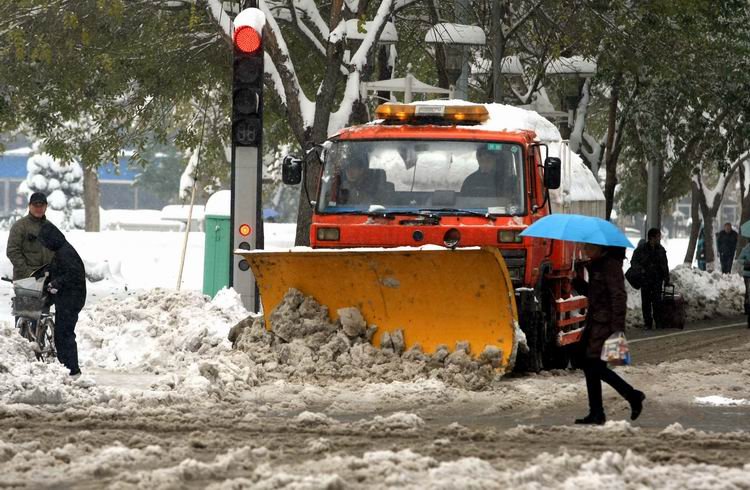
(38, 198)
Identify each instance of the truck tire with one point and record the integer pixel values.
(532, 361)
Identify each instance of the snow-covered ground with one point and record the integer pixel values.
(164, 395)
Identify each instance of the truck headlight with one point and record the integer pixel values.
(328, 234)
(509, 236)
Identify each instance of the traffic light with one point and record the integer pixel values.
(247, 87)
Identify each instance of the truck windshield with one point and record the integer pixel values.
(405, 175)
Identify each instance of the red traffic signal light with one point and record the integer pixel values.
(247, 39)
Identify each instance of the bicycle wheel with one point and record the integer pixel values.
(24, 328)
(46, 340)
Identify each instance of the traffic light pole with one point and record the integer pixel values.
(247, 139)
(246, 192)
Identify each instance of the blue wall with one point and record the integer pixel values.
(14, 167)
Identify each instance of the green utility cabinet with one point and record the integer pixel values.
(216, 255)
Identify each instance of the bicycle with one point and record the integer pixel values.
(34, 320)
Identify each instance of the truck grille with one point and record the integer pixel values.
(515, 260)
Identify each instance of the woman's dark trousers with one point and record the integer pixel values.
(597, 371)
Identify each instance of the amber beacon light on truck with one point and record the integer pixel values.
(432, 114)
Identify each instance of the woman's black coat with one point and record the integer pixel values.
(66, 271)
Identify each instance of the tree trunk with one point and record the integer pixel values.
(443, 82)
(323, 105)
(91, 198)
(385, 71)
(610, 157)
(710, 210)
(498, 50)
(695, 226)
(708, 232)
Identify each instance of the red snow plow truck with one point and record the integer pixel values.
(416, 222)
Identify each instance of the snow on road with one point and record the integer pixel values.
(166, 402)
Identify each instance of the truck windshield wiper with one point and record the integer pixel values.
(464, 212)
(378, 214)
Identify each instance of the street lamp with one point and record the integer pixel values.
(456, 38)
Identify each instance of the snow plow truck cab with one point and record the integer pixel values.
(416, 222)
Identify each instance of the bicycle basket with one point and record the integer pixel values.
(29, 299)
(28, 307)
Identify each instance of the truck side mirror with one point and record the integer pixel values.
(291, 170)
(552, 171)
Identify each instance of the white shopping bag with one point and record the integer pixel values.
(615, 350)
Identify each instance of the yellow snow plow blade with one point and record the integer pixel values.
(434, 297)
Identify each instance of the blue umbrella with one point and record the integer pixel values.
(578, 228)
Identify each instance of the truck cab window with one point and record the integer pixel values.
(402, 175)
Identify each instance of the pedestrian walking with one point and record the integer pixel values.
(726, 243)
(744, 260)
(67, 285)
(652, 257)
(606, 316)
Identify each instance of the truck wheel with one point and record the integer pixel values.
(532, 361)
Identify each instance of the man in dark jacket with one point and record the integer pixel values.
(652, 257)
(493, 178)
(726, 242)
(606, 316)
(67, 285)
(23, 249)
(357, 186)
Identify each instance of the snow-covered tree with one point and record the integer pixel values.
(61, 182)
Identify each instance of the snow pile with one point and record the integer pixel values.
(62, 466)
(23, 380)
(399, 422)
(677, 431)
(305, 346)
(720, 401)
(707, 294)
(178, 335)
(408, 469)
(157, 466)
(158, 329)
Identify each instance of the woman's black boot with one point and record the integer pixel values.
(636, 404)
(592, 419)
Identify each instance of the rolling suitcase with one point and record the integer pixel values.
(672, 308)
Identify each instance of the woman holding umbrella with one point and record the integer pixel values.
(604, 244)
(606, 316)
